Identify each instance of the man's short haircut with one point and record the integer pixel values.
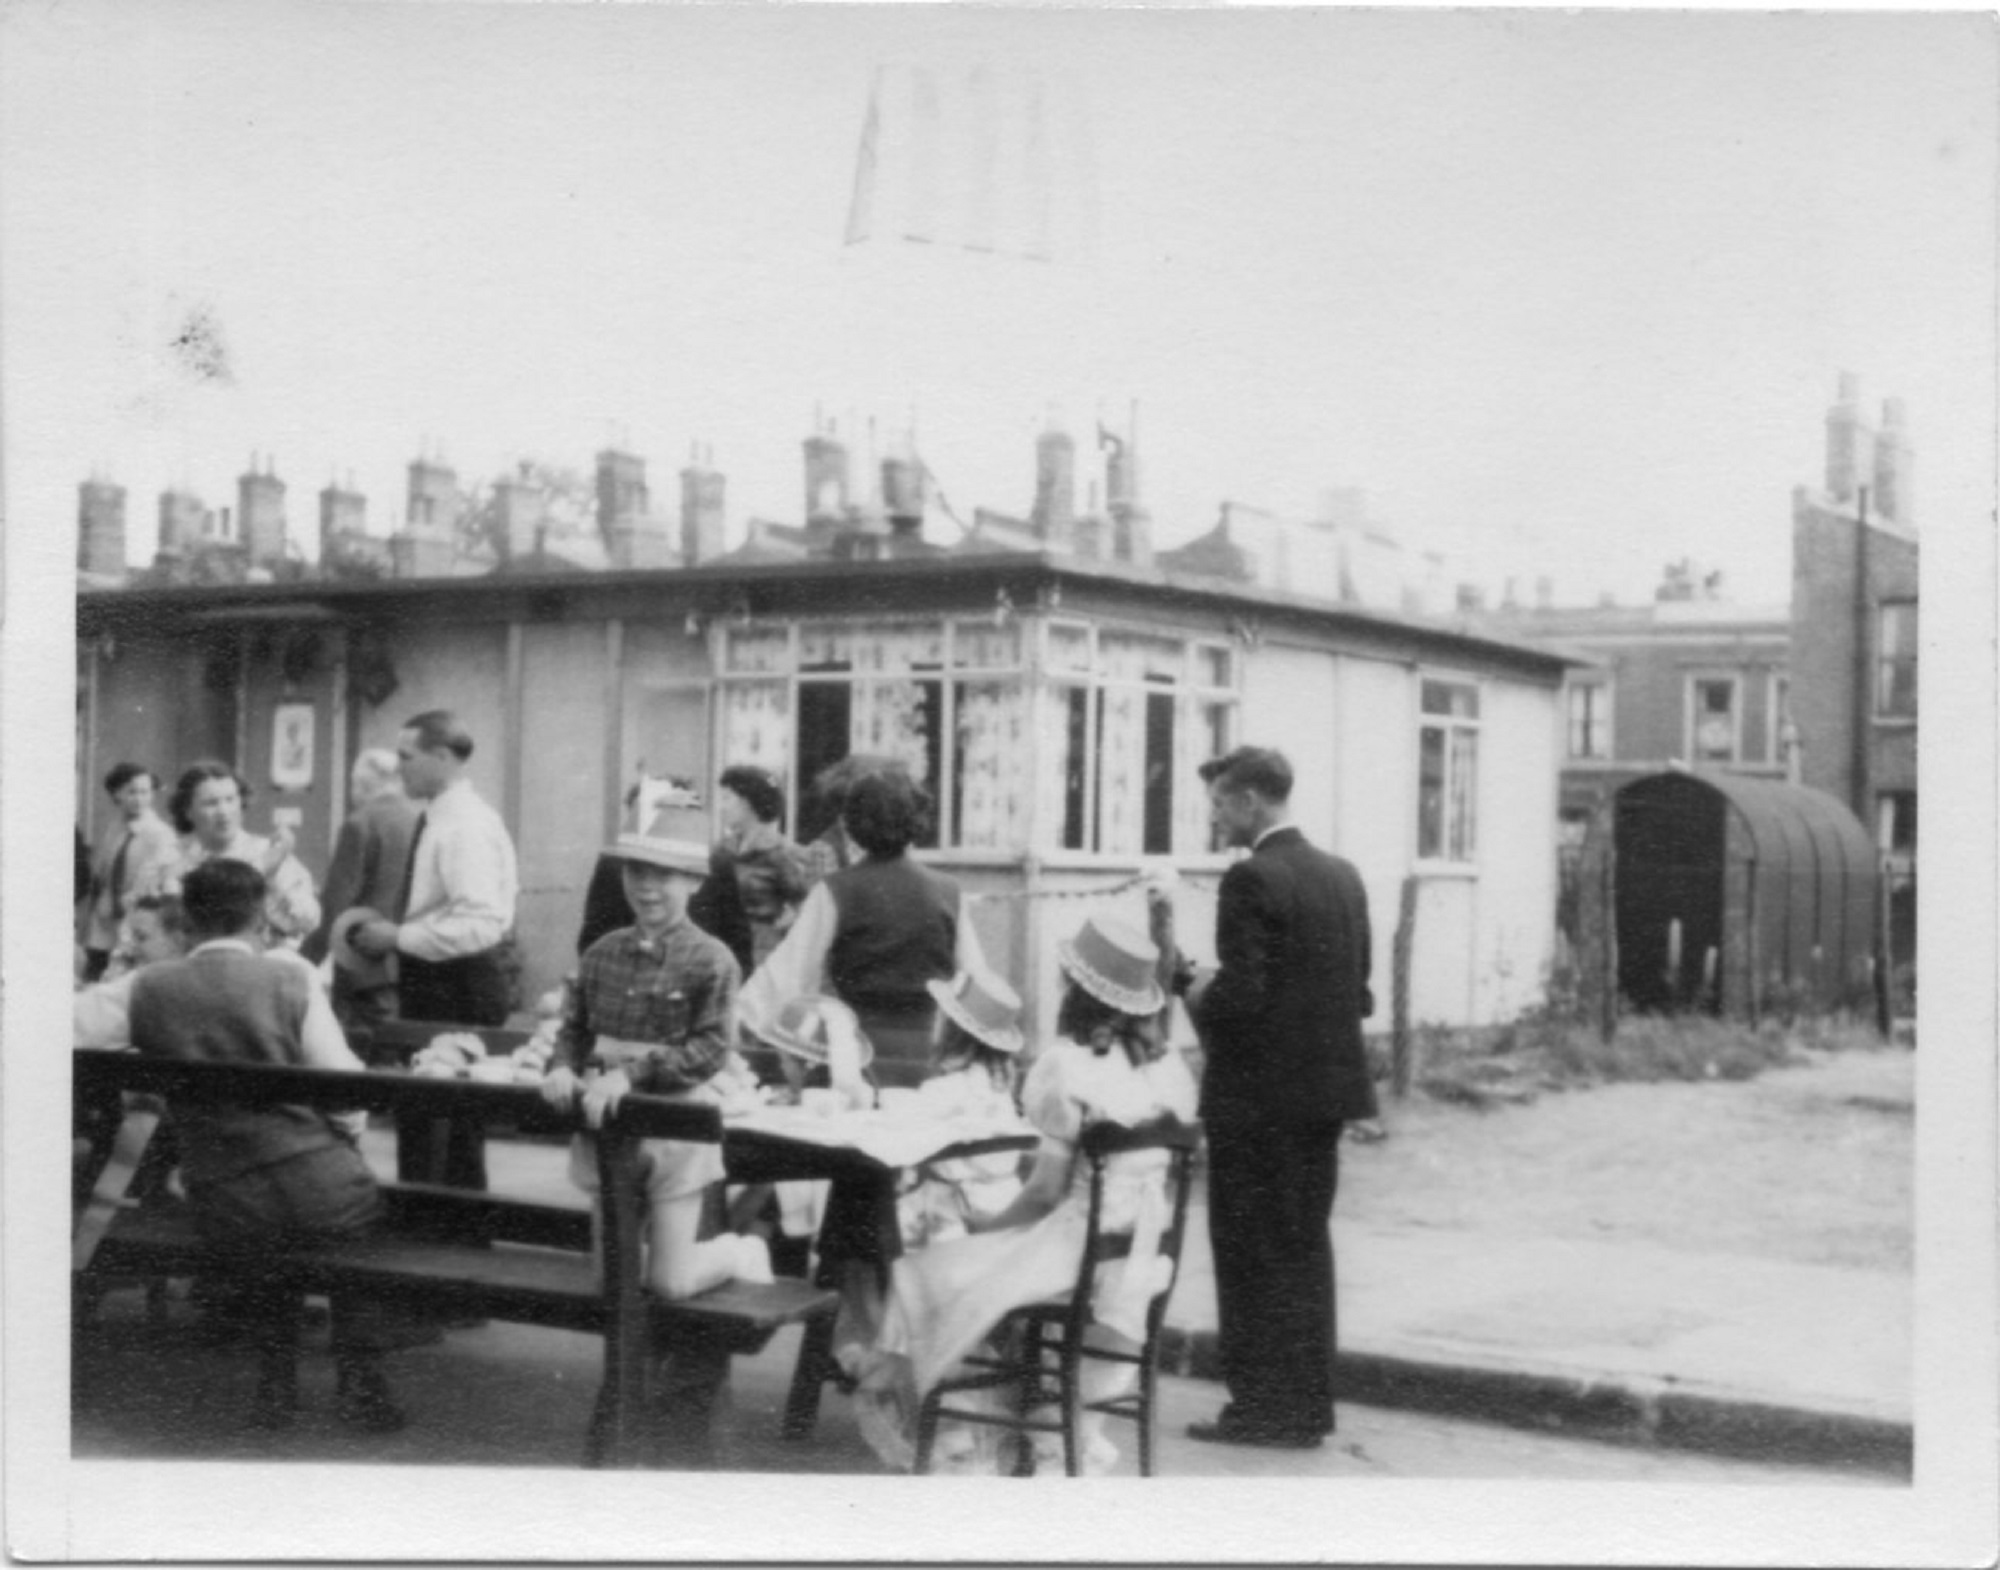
(756, 786)
(1260, 769)
(123, 774)
(439, 730)
(380, 764)
(180, 806)
(886, 813)
(221, 898)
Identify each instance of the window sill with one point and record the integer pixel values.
(1464, 871)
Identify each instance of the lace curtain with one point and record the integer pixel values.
(757, 724)
(994, 762)
(1121, 771)
(889, 718)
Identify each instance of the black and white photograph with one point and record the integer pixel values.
(861, 782)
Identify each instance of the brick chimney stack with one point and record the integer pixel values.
(100, 528)
(426, 546)
(1895, 467)
(341, 511)
(826, 480)
(182, 518)
(1054, 515)
(703, 491)
(903, 491)
(261, 514)
(1131, 523)
(522, 513)
(1849, 442)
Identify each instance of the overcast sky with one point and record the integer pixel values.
(1564, 295)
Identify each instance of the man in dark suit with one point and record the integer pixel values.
(371, 860)
(1280, 1019)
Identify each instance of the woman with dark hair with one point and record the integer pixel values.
(876, 934)
(831, 850)
(1110, 1064)
(207, 807)
(768, 869)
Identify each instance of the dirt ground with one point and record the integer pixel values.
(1811, 1164)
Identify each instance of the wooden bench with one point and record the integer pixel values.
(447, 1252)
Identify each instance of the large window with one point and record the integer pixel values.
(1896, 660)
(1715, 719)
(1090, 744)
(1589, 705)
(1448, 771)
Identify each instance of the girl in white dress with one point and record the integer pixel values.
(977, 1073)
(1109, 1064)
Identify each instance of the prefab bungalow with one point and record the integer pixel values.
(1057, 708)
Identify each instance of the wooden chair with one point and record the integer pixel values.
(1041, 1346)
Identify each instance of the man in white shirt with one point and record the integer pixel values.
(454, 943)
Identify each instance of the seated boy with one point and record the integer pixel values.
(651, 1011)
(262, 1179)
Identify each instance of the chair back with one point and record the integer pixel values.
(1101, 1144)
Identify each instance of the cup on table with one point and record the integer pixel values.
(821, 1102)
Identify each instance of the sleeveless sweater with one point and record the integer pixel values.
(897, 928)
(228, 1006)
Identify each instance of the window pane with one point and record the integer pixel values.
(991, 788)
(979, 645)
(1430, 791)
(1159, 830)
(757, 725)
(1464, 776)
(756, 649)
(1065, 736)
(900, 720)
(1715, 721)
(1121, 770)
(1069, 650)
(1125, 658)
(1458, 699)
(891, 647)
(825, 648)
(825, 719)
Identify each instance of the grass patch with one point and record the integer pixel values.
(1545, 1051)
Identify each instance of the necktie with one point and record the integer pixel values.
(115, 883)
(410, 871)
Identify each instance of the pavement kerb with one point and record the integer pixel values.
(1611, 1408)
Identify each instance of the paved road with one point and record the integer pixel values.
(509, 1395)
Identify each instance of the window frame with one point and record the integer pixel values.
(1194, 696)
(1691, 717)
(1448, 725)
(1601, 686)
(1885, 665)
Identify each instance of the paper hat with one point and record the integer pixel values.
(983, 1006)
(1116, 964)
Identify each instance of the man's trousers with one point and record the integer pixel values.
(1270, 1207)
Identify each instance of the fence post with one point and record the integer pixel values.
(1400, 1069)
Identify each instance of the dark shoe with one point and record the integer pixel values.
(363, 1402)
(1225, 1432)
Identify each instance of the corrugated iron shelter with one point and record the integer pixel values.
(1779, 881)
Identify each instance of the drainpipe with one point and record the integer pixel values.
(1863, 687)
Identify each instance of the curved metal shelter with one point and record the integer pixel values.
(1736, 894)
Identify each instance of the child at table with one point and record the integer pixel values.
(977, 1055)
(651, 1011)
(1111, 1064)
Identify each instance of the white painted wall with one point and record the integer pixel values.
(1519, 765)
(1291, 702)
(1375, 824)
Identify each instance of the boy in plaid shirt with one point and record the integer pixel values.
(652, 1011)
